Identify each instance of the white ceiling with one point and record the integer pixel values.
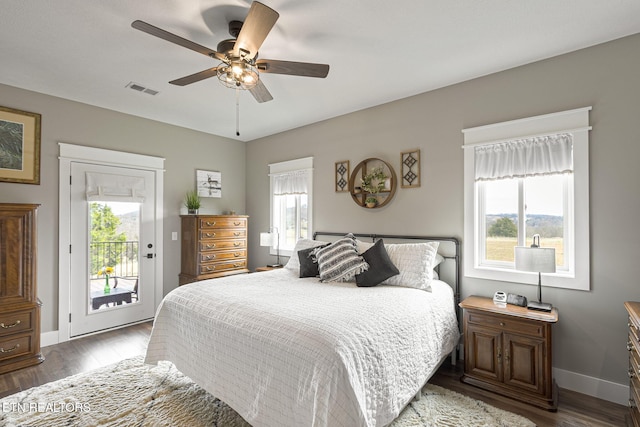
(378, 50)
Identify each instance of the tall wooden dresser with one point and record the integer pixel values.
(633, 345)
(213, 246)
(19, 305)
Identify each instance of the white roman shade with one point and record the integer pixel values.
(114, 188)
(546, 155)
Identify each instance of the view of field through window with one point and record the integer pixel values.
(544, 210)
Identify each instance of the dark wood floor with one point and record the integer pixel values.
(92, 352)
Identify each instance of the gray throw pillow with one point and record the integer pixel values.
(380, 266)
(308, 262)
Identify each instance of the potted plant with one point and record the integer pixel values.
(192, 202)
(373, 183)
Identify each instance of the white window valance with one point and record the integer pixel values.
(546, 155)
(294, 182)
(114, 188)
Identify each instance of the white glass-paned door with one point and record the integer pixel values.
(112, 247)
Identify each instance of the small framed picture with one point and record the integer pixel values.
(19, 146)
(209, 183)
(342, 176)
(410, 167)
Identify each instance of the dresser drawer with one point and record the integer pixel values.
(214, 223)
(17, 321)
(14, 346)
(509, 324)
(634, 363)
(634, 329)
(222, 256)
(216, 245)
(222, 266)
(222, 234)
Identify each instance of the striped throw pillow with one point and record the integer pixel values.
(340, 261)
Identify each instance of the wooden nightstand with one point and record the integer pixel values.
(266, 268)
(507, 350)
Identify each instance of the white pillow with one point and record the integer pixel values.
(415, 262)
(294, 262)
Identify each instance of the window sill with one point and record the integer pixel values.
(557, 280)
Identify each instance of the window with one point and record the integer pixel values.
(522, 178)
(291, 197)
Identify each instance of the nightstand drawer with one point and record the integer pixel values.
(222, 245)
(212, 223)
(15, 346)
(505, 323)
(11, 323)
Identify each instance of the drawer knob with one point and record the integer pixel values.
(631, 373)
(210, 223)
(210, 234)
(236, 265)
(236, 244)
(13, 325)
(210, 257)
(501, 323)
(236, 254)
(211, 246)
(629, 345)
(237, 233)
(9, 350)
(210, 267)
(237, 223)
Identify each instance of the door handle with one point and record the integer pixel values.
(150, 255)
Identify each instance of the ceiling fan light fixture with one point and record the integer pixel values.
(238, 74)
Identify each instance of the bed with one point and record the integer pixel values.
(288, 351)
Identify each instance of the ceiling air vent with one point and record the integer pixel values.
(140, 88)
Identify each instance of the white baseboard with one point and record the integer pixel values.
(596, 387)
(591, 386)
(49, 338)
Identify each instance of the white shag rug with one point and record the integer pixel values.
(130, 393)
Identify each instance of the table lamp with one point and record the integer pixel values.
(540, 260)
(267, 239)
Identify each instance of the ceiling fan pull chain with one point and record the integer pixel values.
(237, 111)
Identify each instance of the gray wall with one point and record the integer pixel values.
(590, 336)
(75, 123)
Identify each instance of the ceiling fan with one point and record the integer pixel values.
(240, 67)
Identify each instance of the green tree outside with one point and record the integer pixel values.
(503, 227)
(106, 244)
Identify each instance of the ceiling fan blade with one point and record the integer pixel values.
(254, 30)
(195, 77)
(170, 37)
(260, 92)
(305, 69)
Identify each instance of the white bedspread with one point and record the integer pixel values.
(284, 351)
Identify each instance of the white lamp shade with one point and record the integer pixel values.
(540, 260)
(266, 239)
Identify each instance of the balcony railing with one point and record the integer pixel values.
(122, 256)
